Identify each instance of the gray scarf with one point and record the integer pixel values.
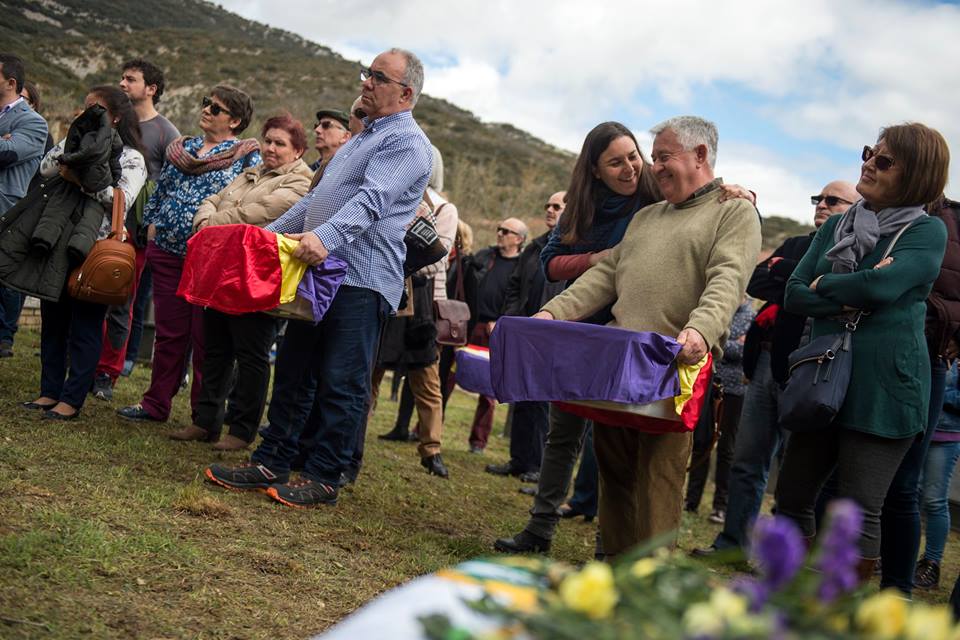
(859, 229)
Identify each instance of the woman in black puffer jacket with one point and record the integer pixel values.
(100, 152)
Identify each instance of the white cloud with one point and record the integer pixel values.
(826, 72)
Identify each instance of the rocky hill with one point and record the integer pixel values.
(492, 170)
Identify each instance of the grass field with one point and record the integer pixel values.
(108, 531)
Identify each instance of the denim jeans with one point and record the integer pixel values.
(11, 302)
(758, 438)
(71, 334)
(900, 521)
(340, 351)
(935, 483)
(586, 490)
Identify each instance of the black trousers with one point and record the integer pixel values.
(727, 424)
(244, 340)
(527, 435)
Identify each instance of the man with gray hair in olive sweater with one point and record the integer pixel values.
(680, 270)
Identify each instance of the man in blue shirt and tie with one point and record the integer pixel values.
(359, 212)
(23, 134)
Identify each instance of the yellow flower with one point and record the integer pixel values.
(644, 567)
(883, 615)
(838, 622)
(591, 591)
(728, 604)
(701, 619)
(929, 623)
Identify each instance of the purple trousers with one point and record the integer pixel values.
(179, 327)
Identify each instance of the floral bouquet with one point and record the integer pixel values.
(659, 594)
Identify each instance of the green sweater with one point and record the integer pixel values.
(889, 392)
(678, 266)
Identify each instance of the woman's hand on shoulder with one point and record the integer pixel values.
(597, 256)
(734, 191)
(543, 315)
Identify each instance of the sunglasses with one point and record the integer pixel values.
(359, 114)
(379, 77)
(831, 201)
(328, 124)
(504, 231)
(553, 205)
(215, 109)
(882, 162)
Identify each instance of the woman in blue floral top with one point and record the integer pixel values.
(195, 168)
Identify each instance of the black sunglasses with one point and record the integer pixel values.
(831, 201)
(215, 109)
(505, 231)
(327, 124)
(379, 77)
(359, 114)
(553, 205)
(882, 162)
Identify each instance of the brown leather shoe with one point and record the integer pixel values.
(192, 433)
(231, 443)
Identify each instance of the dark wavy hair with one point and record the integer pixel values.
(152, 75)
(286, 122)
(120, 107)
(237, 103)
(586, 191)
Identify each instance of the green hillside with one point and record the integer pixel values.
(492, 170)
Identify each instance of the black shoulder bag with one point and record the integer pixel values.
(820, 374)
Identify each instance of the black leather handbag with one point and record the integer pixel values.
(820, 373)
(423, 246)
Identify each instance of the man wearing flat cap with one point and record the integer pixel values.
(332, 131)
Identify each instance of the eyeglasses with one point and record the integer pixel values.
(882, 162)
(378, 77)
(327, 124)
(553, 205)
(504, 231)
(359, 114)
(215, 109)
(831, 201)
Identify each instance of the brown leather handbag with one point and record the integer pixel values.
(453, 316)
(107, 273)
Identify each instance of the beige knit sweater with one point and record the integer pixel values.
(678, 266)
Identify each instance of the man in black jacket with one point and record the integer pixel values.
(769, 341)
(527, 291)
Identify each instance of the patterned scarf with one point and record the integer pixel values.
(183, 160)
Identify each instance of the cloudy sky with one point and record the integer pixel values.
(796, 88)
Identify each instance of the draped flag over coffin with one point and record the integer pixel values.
(608, 374)
(473, 369)
(241, 268)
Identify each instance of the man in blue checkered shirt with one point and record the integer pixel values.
(359, 212)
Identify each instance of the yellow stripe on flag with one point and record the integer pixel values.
(291, 269)
(688, 376)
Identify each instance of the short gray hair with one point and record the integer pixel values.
(413, 75)
(692, 131)
(436, 174)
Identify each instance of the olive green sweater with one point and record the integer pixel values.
(678, 266)
(889, 390)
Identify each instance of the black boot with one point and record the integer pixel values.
(396, 434)
(523, 542)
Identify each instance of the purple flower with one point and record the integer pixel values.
(753, 590)
(839, 552)
(777, 549)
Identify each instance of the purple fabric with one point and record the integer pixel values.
(946, 436)
(319, 285)
(473, 371)
(539, 360)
